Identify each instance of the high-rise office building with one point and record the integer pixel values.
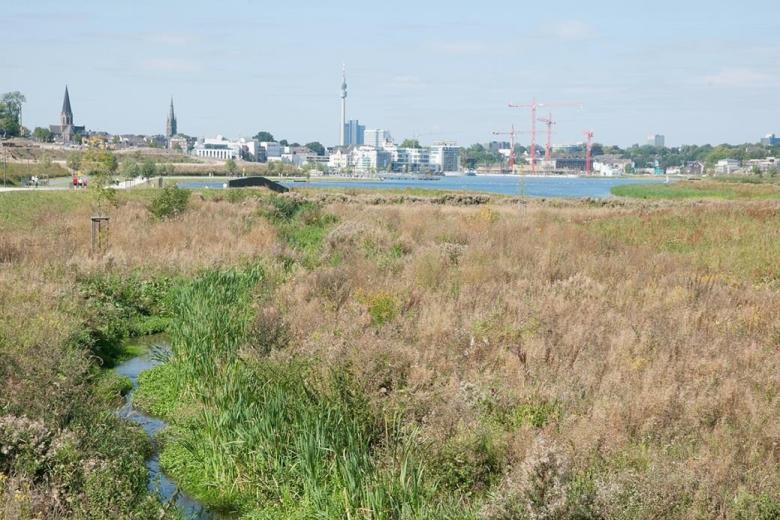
(376, 137)
(657, 140)
(770, 140)
(354, 133)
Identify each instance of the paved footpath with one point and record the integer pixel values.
(67, 186)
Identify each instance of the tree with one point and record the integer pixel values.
(410, 143)
(130, 169)
(45, 165)
(316, 147)
(231, 167)
(14, 100)
(149, 168)
(100, 165)
(43, 135)
(284, 142)
(73, 161)
(264, 137)
(11, 113)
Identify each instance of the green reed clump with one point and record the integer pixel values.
(279, 438)
(301, 224)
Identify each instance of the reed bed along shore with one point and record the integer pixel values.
(398, 358)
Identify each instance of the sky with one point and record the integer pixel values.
(697, 72)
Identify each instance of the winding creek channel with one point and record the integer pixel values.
(157, 480)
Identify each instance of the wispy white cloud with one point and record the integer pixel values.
(742, 77)
(571, 30)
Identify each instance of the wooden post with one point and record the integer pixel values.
(99, 234)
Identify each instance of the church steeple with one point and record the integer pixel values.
(170, 124)
(66, 116)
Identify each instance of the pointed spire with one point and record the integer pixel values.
(66, 104)
(170, 124)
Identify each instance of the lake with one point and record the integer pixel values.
(596, 187)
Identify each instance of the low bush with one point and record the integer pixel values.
(170, 202)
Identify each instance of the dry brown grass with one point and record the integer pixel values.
(650, 368)
(663, 373)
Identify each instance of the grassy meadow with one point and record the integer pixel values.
(744, 188)
(342, 356)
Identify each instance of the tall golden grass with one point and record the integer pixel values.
(637, 344)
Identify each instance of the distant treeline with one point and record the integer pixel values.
(643, 156)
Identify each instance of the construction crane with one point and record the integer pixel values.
(588, 149)
(534, 106)
(512, 133)
(549, 122)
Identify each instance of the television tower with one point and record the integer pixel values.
(343, 103)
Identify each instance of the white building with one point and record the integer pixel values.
(376, 138)
(768, 165)
(368, 159)
(298, 155)
(340, 159)
(178, 142)
(445, 157)
(361, 159)
(409, 160)
(273, 150)
(726, 166)
(611, 167)
(221, 148)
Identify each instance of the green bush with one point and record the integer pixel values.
(757, 507)
(118, 307)
(381, 306)
(170, 202)
(469, 463)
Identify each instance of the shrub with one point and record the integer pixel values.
(170, 202)
(268, 332)
(756, 507)
(538, 489)
(469, 462)
(381, 306)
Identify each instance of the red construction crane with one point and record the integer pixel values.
(512, 133)
(549, 122)
(534, 106)
(588, 148)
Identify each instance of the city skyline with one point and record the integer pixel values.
(639, 70)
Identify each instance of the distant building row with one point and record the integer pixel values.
(385, 156)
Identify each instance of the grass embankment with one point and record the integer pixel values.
(731, 189)
(15, 173)
(401, 360)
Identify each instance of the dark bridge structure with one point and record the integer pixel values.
(257, 182)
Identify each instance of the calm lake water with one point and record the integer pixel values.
(596, 187)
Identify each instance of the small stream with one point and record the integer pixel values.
(158, 481)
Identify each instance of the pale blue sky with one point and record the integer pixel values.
(695, 71)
